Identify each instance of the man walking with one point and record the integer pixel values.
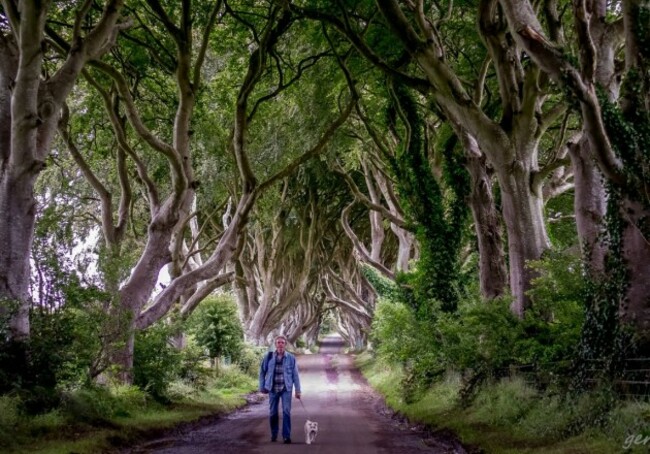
(278, 376)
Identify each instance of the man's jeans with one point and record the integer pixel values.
(274, 401)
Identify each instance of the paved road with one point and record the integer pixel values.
(351, 418)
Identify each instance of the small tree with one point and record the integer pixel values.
(217, 328)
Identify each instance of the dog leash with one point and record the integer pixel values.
(303, 407)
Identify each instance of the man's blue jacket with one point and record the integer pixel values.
(290, 367)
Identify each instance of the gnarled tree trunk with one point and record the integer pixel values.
(493, 274)
(33, 114)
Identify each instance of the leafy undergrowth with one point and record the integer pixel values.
(511, 417)
(104, 419)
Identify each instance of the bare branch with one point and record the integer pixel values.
(359, 248)
(365, 200)
(200, 58)
(120, 135)
(204, 290)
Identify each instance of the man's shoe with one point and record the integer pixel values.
(287, 441)
(274, 438)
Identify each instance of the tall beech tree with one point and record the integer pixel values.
(166, 211)
(616, 137)
(31, 98)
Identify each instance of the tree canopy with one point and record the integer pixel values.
(309, 157)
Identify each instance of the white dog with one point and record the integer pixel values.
(311, 430)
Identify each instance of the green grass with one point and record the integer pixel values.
(82, 439)
(99, 420)
(510, 417)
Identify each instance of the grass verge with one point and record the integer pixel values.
(103, 420)
(511, 417)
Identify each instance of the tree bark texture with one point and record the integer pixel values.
(590, 205)
(527, 237)
(493, 273)
(635, 307)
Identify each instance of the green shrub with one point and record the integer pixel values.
(156, 363)
(442, 397)
(630, 422)
(231, 377)
(249, 359)
(401, 337)
(98, 405)
(65, 338)
(393, 331)
(216, 327)
(30, 367)
(128, 400)
(180, 390)
(589, 410)
(194, 369)
(514, 410)
(553, 324)
(481, 336)
(484, 340)
(9, 412)
(92, 405)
